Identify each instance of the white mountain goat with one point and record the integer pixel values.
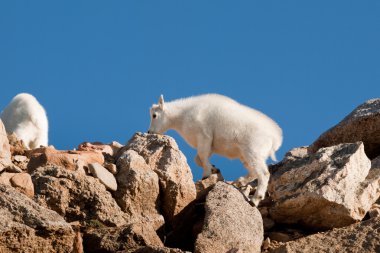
(25, 117)
(217, 124)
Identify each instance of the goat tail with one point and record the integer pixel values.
(273, 155)
(277, 142)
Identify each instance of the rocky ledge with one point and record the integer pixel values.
(141, 197)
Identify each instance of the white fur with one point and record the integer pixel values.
(25, 117)
(217, 124)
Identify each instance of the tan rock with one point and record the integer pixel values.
(162, 154)
(374, 211)
(129, 238)
(111, 167)
(104, 176)
(17, 146)
(5, 152)
(109, 149)
(67, 159)
(332, 188)
(76, 196)
(23, 183)
(205, 185)
(360, 237)
(362, 124)
(138, 192)
(5, 178)
(28, 227)
(13, 169)
(231, 223)
(155, 249)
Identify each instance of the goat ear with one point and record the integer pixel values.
(161, 102)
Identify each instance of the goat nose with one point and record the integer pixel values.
(148, 132)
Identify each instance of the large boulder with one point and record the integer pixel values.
(76, 196)
(360, 237)
(28, 227)
(128, 238)
(162, 154)
(5, 152)
(231, 223)
(331, 188)
(362, 124)
(138, 192)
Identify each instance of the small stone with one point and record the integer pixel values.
(268, 223)
(5, 178)
(23, 183)
(279, 237)
(111, 167)
(374, 211)
(20, 158)
(104, 176)
(246, 190)
(13, 169)
(266, 243)
(205, 185)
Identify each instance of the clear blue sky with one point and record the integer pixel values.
(97, 66)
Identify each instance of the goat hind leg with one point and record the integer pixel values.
(263, 179)
(202, 157)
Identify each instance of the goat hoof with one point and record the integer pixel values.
(215, 170)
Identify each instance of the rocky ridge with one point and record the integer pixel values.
(141, 197)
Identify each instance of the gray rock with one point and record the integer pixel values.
(360, 237)
(76, 196)
(362, 124)
(28, 227)
(332, 188)
(162, 154)
(126, 238)
(138, 193)
(231, 223)
(104, 176)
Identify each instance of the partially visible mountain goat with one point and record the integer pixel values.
(25, 117)
(217, 124)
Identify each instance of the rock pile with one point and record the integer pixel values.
(141, 197)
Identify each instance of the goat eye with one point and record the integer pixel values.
(154, 116)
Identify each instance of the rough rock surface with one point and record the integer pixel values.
(152, 249)
(231, 223)
(104, 176)
(362, 124)
(28, 227)
(68, 159)
(176, 181)
(76, 196)
(5, 178)
(108, 149)
(116, 239)
(360, 237)
(205, 185)
(138, 193)
(331, 188)
(5, 151)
